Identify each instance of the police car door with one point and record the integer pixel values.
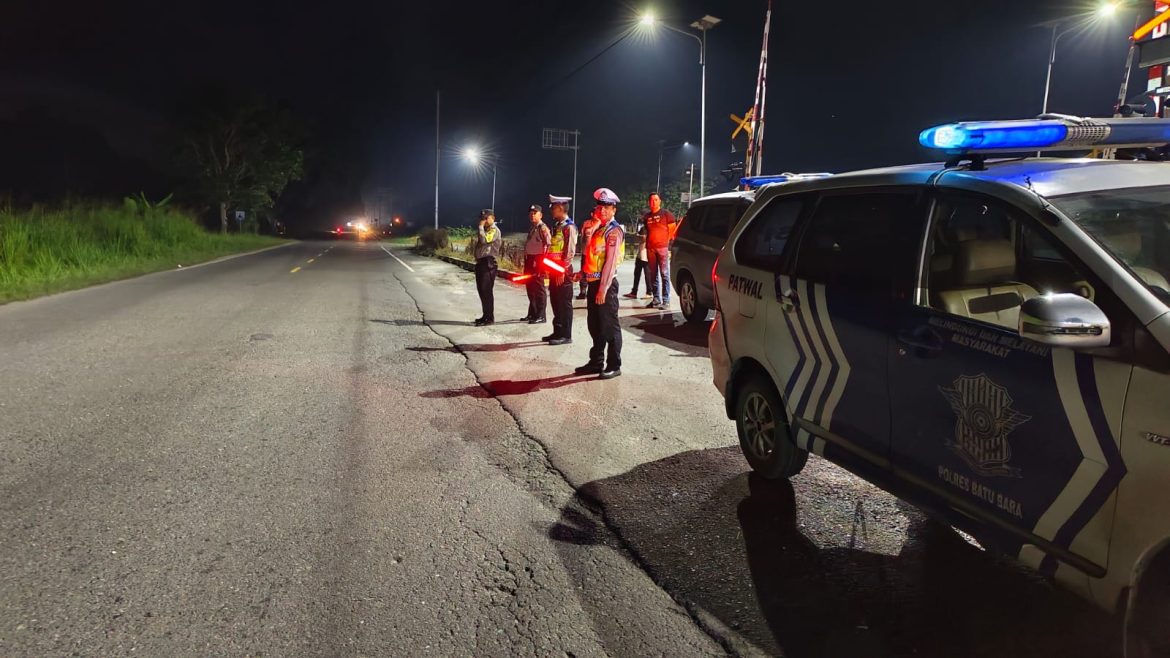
(836, 302)
(1012, 433)
(752, 310)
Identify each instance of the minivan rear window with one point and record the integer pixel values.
(693, 220)
(719, 220)
(762, 243)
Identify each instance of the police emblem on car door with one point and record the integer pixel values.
(984, 418)
(1019, 435)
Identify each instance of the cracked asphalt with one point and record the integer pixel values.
(238, 459)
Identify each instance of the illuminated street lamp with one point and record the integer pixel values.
(702, 25)
(1078, 22)
(474, 157)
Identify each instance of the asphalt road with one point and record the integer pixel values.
(243, 459)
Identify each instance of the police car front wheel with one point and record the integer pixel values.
(764, 435)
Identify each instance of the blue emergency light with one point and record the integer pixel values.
(1048, 133)
(756, 182)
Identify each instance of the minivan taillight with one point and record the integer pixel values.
(715, 283)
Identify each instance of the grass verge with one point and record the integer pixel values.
(504, 261)
(48, 251)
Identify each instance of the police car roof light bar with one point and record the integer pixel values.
(755, 182)
(1048, 133)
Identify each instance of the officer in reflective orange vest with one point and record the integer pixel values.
(587, 228)
(600, 259)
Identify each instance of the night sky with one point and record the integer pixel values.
(88, 90)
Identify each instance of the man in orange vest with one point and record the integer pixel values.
(599, 262)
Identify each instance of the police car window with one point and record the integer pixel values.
(718, 220)
(848, 239)
(984, 260)
(1133, 225)
(762, 243)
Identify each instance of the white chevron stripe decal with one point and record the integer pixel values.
(1092, 467)
(842, 362)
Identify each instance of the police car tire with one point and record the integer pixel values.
(688, 290)
(1147, 618)
(758, 397)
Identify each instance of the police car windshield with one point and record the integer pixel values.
(1133, 224)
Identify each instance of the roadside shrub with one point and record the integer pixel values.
(431, 240)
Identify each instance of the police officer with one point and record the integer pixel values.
(600, 259)
(535, 248)
(486, 249)
(587, 230)
(560, 286)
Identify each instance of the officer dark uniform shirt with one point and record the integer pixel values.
(560, 286)
(537, 245)
(486, 249)
(600, 259)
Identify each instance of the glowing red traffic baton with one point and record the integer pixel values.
(553, 265)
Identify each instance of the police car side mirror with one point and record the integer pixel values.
(1064, 320)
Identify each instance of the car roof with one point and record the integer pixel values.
(1048, 177)
(745, 195)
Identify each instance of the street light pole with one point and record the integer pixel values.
(702, 25)
(703, 110)
(658, 182)
(1051, 61)
(1105, 11)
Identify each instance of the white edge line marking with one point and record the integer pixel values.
(395, 257)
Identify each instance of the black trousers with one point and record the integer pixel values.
(537, 294)
(485, 283)
(561, 294)
(639, 267)
(604, 327)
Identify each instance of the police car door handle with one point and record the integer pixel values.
(922, 339)
(789, 300)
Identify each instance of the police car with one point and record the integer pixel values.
(988, 339)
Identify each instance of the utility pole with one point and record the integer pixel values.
(691, 188)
